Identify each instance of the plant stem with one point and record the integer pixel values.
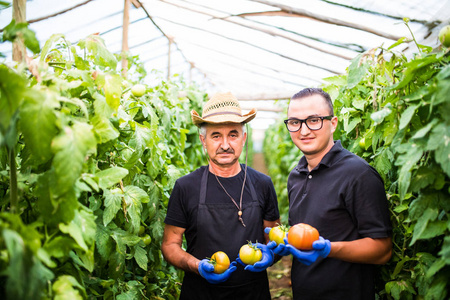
(13, 181)
(414, 39)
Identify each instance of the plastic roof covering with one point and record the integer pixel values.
(255, 56)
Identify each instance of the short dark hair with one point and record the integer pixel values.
(315, 91)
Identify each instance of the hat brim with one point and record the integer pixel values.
(223, 118)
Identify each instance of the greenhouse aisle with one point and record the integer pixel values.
(279, 273)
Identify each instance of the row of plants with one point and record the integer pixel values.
(393, 111)
(87, 166)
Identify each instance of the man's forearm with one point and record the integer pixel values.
(179, 258)
(366, 250)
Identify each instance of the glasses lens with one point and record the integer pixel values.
(293, 125)
(314, 123)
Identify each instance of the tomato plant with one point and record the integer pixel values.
(302, 236)
(220, 261)
(277, 234)
(250, 254)
(83, 164)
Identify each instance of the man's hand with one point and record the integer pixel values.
(321, 247)
(265, 262)
(206, 270)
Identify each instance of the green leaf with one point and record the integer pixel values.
(103, 242)
(20, 30)
(105, 131)
(66, 288)
(141, 257)
(398, 42)
(111, 176)
(383, 162)
(134, 197)
(96, 46)
(421, 229)
(48, 44)
(113, 90)
(58, 208)
(423, 177)
(26, 276)
(442, 154)
(12, 88)
(445, 251)
(424, 130)
(379, 116)
(113, 202)
(101, 107)
(82, 228)
(38, 124)
(411, 69)
(71, 148)
(60, 246)
(356, 71)
(142, 138)
(407, 115)
(396, 288)
(435, 267)
(407, 161)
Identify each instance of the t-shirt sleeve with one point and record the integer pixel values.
(370, 205)
(175, 212)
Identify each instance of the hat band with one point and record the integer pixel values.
(222, 113)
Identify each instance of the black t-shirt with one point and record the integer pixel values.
(344, 198)
(183, 202)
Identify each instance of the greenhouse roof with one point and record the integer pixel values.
(257, 49)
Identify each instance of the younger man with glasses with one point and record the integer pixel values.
(343, 197)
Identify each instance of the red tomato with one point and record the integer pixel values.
(220, 261)
(250, 254)
(277, 234)
(302, 236)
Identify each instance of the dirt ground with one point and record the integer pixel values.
(280, 279)
(280, 272)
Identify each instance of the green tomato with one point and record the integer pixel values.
(138, 90)
(362, 143)
(444, 36)
(141, 230)
(146, 239)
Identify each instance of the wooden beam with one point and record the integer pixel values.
(19, 15)
(125, 49)
(304, 13)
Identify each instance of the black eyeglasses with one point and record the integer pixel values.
(313, 123)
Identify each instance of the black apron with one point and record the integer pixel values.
(219, 229)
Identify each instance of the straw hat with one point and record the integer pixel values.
(222, 108)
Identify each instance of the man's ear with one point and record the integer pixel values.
(334, 122)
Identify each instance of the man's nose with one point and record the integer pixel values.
(304, 130)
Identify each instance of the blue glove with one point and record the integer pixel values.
(276, 249)
(206, 270)
(265, 262)
(321, 248)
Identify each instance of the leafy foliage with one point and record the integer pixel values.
(393, 112)
(86, 172)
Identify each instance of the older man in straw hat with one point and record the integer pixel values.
(220, 207)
